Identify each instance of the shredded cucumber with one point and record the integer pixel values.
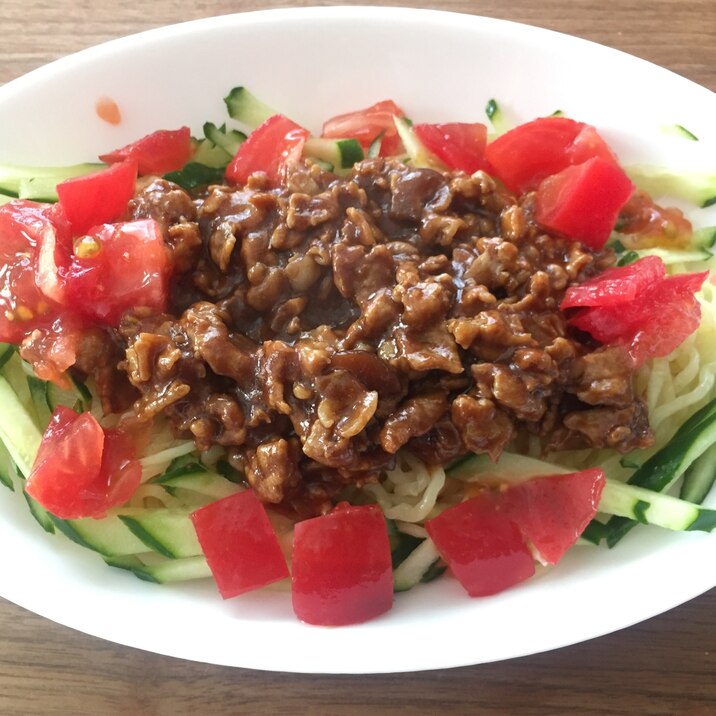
(246, 108)
(165, 572)
(39, 183)
(696, 187)
(18, 428)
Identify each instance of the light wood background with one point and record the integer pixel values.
(664, 666)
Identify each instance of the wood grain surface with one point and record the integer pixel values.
(664, 666)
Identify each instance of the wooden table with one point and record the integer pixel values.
(664, 666)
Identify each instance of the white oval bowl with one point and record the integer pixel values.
(313, 63)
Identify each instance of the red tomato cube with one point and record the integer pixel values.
(616, 285)
(341, 567)
(651, 325)
(97, 198)
(583, 201)
(551, 512)
(529, 153)
(160, 152)
(366, 125)
(23, 307)
(457, 145)
(118, 267)
(239, 543)
(483, 546)
(81, 470)
(268, 148)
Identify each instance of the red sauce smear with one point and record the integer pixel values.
(647, 224)
(108, 110)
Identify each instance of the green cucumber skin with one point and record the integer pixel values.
(66, 529)
(662, 469)
(228, 140)
(699, 479)
(166, 532)
(13, 177)
(6, 352)
(6, 468)
(18, 429)
(244, 107)
(139, 531)
(43, 517)
(178, 570)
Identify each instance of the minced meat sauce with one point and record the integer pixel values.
(318, 328)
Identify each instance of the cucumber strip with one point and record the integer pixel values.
(229, 140)
(415, 567)
(16, 375)
(246, 108)
(6, 469)
(108, 536)
(653, 508)
(497, 116)
(417, 153)
(593, 533)
(38, 393)
(678, 130)
(38, 189)
(677, 257)
(374, 148)
(6, 352)
(205, 483)
(696, 187)
(700, 477)
(326, 166)
(164, 531)
(185, 465)
(74, 398)
(6, 199)
(210, 155)
(193, 175)
(704, 238)
(176, 570)
(401, 546)
(18, 429)
(663, 468)
(12, 177)
(43, 517)
(341, 153)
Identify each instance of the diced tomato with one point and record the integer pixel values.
(268, 148)
(239, 544)
(117, 267)
(651, 325)
(341, 567)
(165, 150)
(482, 545)
(529, 153)
(583, 201)
(79, 470)
(120, 465)
(97, 198)
(23, 307)
(366, 125)
(551, 512)
(616, 285)
(457, 145)
(54, 249)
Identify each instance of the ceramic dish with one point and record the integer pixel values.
(313, 63)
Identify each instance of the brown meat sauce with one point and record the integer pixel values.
(318, 328)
